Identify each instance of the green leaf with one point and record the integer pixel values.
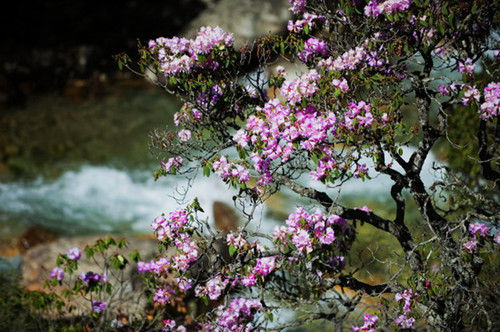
(135, 256)
(232, 250)
(206, 171)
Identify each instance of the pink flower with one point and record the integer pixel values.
(470, 246)
(369, 323)
(74, 254)
(57, 273)
(404, 321)
(328, 237)
(172, 163)
(163, 295)
(466, 67)
(341, 84)
(302, 241)
(491, 106)
(98, 306)
(265, 265)
(365, 209)
(480, 228)
(184, 135)
(238, 241)
(249, 280)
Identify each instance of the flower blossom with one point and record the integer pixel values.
(313, 47)
(466, 67)
(479, 228)
(98, 306)
(57, 273)
(297, 6)
(491, 106)
(374, 8)
(172, 163)
(369, 323)
(238, 315)
(74, 254)
(184, 135)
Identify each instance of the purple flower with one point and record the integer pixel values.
(302, 241)
(163, 295)
(249, 280)
(297, 6)
(466, 67)
(470, 246)
(74, 254)
(480, 228)
(57, 273)
(172, 163)
(328, 237)
(98, 306)
(491, 106)
(184, 135)
(91, 278)
(369, 323)
(238, 315)
(404, 321)
(312, 47)
(341, 84)
(265, 265)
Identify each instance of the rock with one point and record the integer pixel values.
(35, 235)
(247, 19)
(128, 296)
(226, 219)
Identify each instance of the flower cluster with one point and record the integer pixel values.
(237, 241)
(173, 229)
(308, 21)
(273, 131)
(478, 230)
(359, 115)
(57, 273)
(169, 228)
(90, 278)
(225, 169)
(466, 67)
(263, 267)
(164, 295)
(369, 324)
(297, 6)
(347, 61)
(238, 315)
(408, 298)
(98, 306)
(491, 106)
(180, 55)
(170, 325)
(307, 232)
(313, 47)
(304, 86)
(184, 135)
(341, 84)
(374, 8)
(213, 288)
(172, 164)
(74, 254)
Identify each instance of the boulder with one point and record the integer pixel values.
(246, 19)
